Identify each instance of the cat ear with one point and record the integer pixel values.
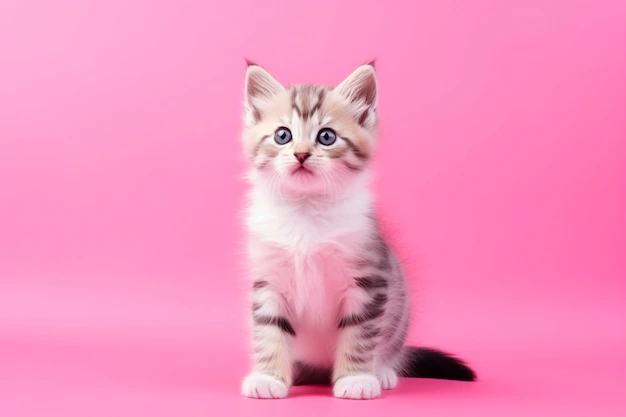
(361, 92)
(260, 88)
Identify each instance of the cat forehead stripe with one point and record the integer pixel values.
(306, 100)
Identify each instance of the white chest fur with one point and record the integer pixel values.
(303, 248)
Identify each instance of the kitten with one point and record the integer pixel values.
(329, 299)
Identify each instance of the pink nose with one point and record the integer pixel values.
(302, 156)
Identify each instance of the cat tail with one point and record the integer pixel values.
(421, 362)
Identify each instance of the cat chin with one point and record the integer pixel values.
(304, 188)
(309, 185)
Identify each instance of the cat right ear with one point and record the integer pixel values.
(361, 92)
(260, 89)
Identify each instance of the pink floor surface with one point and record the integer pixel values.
(167, 350)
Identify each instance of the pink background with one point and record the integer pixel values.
(502, 171)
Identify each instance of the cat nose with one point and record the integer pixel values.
(302, 156)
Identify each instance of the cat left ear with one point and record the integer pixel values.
(260, 88)
(361, 91)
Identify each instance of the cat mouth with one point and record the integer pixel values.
(301, 170)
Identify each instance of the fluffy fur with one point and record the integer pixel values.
(329, 300)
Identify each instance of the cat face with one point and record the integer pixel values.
(310, 139)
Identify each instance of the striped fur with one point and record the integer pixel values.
(329, 299)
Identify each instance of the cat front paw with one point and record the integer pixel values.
(357, 387)
(388, 377)
(263, 386)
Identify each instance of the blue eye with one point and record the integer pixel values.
(326, 137)
(282, 136)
